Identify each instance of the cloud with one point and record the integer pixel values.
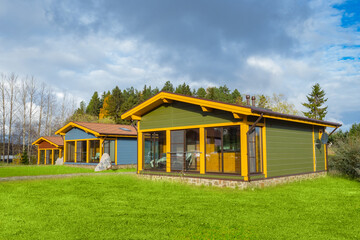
(259, 47)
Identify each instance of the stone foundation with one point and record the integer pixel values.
(238, 184)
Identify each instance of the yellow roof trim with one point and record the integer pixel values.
(37, 142)
(65, 129)
(157, 100)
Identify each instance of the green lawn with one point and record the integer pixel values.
(10, 171)
(125, 207)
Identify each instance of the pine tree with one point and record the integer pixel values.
(315, 100)
(201, 92)
(168, 87)
(94, 105)
(24, 157)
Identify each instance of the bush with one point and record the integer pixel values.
(24, 158)
(346, 157)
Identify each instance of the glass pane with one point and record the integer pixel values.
(70, 149)
(213, 150)
(109, 148)
(81, 151)
(255, 151)
(42, 156)
(48, 157)
(94, 151)
(155, 150)
(56, 155)
(192, 157)
(231, 149)
(177, 150)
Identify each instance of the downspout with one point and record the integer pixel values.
(248, 145)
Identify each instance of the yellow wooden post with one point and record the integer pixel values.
(87, 150)
(244, 128)
(140, 151)
(52, 157)
(45, 157)
(75, 160)
(60, 152)
(264, 149)
(325, 157)
(168, 150)
(313, 143)
(116, 142)
(38, 155)
(202, 150)
(101, 147)
(65, 151)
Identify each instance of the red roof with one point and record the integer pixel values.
(109, 129)
(57, 140)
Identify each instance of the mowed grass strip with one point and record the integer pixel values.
(35, 170)
(126, 207)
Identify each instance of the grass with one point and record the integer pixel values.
(125, 207)
(34, 170)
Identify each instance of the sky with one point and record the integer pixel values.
(256, 46)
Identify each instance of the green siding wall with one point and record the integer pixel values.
(289, 148)
(319, 151)
(178, 114)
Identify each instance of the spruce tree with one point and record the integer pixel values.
(94, 105)
(315, 100)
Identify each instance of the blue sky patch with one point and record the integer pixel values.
(347, 58)
(351, 14)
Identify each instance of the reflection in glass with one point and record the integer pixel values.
(81, 151)
(94, 151)
(70, 151)
(223, 149)
(109, 148)
(255, 155)
(185, 150)
(155, 150)
(48, 157)
(42, 156)
(56, 155)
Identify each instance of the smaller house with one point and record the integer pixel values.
(50, 148)
(85, 143)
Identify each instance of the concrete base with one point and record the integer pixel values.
(233, 183)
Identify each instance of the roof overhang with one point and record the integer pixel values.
(165, 97)
(208, 105)
(71, 125)
(41, 139)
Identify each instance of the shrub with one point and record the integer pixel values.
(346, 157)
(24, 158)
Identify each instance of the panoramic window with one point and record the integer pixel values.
(94, 151)
(155, 150)
(56, 155)
(42, 156)
(81, 151)
(185, 150)
(255, 150)
(223, 149)
(70, 149)
(48, 156)
(109, 148)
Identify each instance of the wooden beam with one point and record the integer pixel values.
(134, 117)
(165, 100)
(206, 109)
(237, 115)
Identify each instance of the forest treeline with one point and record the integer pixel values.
(111, 104)
(28, 110)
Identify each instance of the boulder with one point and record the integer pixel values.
(104, 164)
(59, 161)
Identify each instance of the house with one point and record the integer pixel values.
(204, 138)
(85, 143)
(50, 148)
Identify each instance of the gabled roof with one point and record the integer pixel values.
(57, 141)
(207, 105)
(99, 129)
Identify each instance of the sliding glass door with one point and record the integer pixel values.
(155, 150)
(223, 149)
(185, 150)
(255, 150)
